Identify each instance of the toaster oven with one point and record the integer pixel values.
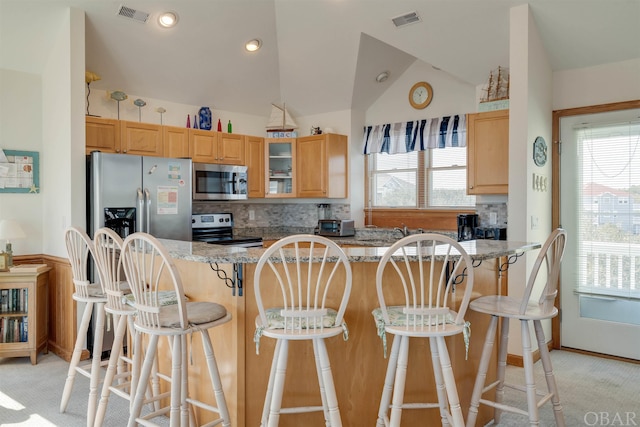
(335, 227)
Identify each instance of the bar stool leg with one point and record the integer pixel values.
(387, 389)
(96, 362)
(278, 385)
(481, 378)
(75, 358)
(145, 372)
(327, 381)
(323, 395)
(439, 380)
(399, 383)
(502, 365)
(530, 385)
(269, 394)
(450, 383)
(552, 387)
(216, 382)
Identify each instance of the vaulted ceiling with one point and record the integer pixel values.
(317, 55)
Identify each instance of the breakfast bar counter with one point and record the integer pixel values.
(225, 275)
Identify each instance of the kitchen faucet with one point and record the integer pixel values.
(404, 230)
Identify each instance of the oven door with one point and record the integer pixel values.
(219, 182)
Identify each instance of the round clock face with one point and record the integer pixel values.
(540, 151)
(420, 95)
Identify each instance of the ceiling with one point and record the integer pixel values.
(317, 56)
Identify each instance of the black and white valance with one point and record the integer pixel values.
(417, 135)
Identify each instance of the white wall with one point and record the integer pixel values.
(21, 129)
(529, 117)
(603, 84)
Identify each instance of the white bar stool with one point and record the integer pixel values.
(424, 269)
(503, 308)
(302, 273)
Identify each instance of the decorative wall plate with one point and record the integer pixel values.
(540, 151)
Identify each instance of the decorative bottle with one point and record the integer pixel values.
(188, 120)
(229, 127)
(219, 126)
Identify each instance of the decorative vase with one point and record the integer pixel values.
(205, 118)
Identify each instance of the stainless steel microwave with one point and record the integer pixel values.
(219, 182)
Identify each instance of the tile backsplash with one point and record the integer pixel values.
(485, 210)
(273, 215)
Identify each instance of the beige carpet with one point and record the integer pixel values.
(589, 386)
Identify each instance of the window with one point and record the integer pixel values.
(434, 178)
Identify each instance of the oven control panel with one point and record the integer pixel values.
(216, 220)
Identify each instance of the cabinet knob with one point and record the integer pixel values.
(471, 187)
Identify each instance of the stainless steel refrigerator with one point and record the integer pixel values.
(138, 193)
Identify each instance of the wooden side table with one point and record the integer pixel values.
(24, 314)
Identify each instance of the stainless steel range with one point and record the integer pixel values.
(217, 229)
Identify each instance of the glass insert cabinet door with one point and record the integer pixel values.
(280, 172)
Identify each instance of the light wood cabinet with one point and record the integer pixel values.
(144, 139)
(322, 166)
(488, 152)
(23, 314)
(280, 172)
(215, 147)
(254, 156)
(102, 135)
(175, 141)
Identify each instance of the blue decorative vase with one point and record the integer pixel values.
(205, 118)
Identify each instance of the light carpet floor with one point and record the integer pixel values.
(589, 387)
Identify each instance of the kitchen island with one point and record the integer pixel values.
(225, 275)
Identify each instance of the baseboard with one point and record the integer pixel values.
(517, 360)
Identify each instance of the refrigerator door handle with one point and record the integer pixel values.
(140, 206)
(147, 210)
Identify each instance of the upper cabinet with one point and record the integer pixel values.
(254, 156)
(322, 162)
(488, 152)
(281, 167)
(102, 135)
(206, 146)
(175, 141)
(144, 139)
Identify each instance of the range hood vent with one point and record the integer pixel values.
(406, 19)
(136, 15)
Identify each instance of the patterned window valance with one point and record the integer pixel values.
(417, 135)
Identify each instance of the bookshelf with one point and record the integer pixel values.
(24, 313)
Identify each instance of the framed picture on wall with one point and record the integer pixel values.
(19, 171)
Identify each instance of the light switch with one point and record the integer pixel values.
(252, 215)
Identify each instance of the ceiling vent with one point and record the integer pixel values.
(406, 19)
(136, 15)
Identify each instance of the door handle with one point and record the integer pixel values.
(140, 210)
(147, 196)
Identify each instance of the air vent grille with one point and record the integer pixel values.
(406, 19)
(136, 15)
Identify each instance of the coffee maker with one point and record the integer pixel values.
(467, 224)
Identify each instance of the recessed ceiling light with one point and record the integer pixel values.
(382, 76)
(253, 45)
(168, 19)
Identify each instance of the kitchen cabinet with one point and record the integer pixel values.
(23, 314)
(488, 152)
(144, 139)
(175, 141)
(322, 162)
(254, 156)
(281, 167)
(215, 147)
(102, 135)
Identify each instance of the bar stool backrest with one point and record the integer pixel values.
(79, 246)
(107, 248)
(147, 266)
(550, 256)
(427, 286)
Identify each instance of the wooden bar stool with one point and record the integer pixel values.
(415, 281)
(503, 308)
(79, 246)
(147, 266)
(297, 279)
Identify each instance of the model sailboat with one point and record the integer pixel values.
(497, 87)
(280, 120)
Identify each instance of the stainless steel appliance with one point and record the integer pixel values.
(217, 229)
(134, 193)
(219, 182)
(335, 227)
(467, 224)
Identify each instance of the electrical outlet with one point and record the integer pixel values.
(534, 222)
(493, 218)
(252, 215)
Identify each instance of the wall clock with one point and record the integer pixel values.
(420, 95)
(540, 151)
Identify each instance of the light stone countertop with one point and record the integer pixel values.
(207, 253)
